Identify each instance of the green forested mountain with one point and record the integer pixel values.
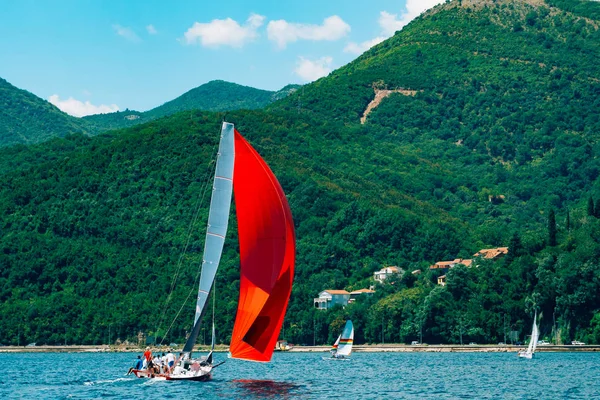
(498, 146)
(212, 96)
(219, 96)
(25, 118)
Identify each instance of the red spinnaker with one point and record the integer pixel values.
(267, 254)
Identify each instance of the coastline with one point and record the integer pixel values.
(374, 348)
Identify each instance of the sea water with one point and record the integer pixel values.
(308, 376)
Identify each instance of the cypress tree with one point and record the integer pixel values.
(551, 228)
(568, 221)
(597, 209)
(590, 210)
(515, 248)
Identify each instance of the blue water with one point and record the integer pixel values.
(307, 376)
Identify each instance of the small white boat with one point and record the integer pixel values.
(342, 348)
(533, 342)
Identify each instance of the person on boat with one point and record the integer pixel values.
(170, 360)
(163, 363)
(138, 365)
(148, 355)
(156, 364)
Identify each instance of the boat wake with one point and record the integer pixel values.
(89, 383)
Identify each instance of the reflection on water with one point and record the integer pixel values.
(266, 388)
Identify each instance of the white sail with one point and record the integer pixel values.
(533, 340)
(346, 340)
(336, 344)
(218, 219)
(535, 333)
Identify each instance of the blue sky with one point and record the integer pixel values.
(99, 56)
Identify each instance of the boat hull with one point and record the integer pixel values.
(203, 374)
(199, 378)
(524, 354)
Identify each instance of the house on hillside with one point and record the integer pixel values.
(384, 273)
(359, 293)
(446, 265)
(492, 254)
(442, 280)
(329, 298)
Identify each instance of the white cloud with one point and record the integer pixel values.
(151, 29)
(78, 108)
(283, 32)
(359, 48)
(310, 70)
(390, 23)
(127, 33)
(224, 32)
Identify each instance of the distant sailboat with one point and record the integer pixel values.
(267, 255)
(533, 342)
(342, 348)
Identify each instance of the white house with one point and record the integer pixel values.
(329, 298)
(383, 274)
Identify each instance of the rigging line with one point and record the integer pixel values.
(190, 227)
(184, 251)
(180, 309)
(198, 272)
(209, 173)
(199, 202)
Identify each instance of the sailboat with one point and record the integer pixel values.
(533, 342)
(267, 254)
(342, 348)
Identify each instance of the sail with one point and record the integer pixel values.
(336, 344)
(534, 334)
(267, 254)
(345, 346)
(218, 218)
(533, 340)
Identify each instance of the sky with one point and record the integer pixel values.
(88, 57)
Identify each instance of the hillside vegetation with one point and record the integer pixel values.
(212, 96)
(26, 119)
(498, 147)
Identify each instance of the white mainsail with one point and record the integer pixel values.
(533, 341)
(535, 333)
(346, 340)
(218, 219)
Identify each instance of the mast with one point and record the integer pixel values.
(218, 219)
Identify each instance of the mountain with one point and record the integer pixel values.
(217, 96)
(212, 96)
(484, 134)
(25, 118)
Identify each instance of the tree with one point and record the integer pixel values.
(590, 207)
(515, 248)
(551, 228)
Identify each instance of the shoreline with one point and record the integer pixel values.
(375, 348)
